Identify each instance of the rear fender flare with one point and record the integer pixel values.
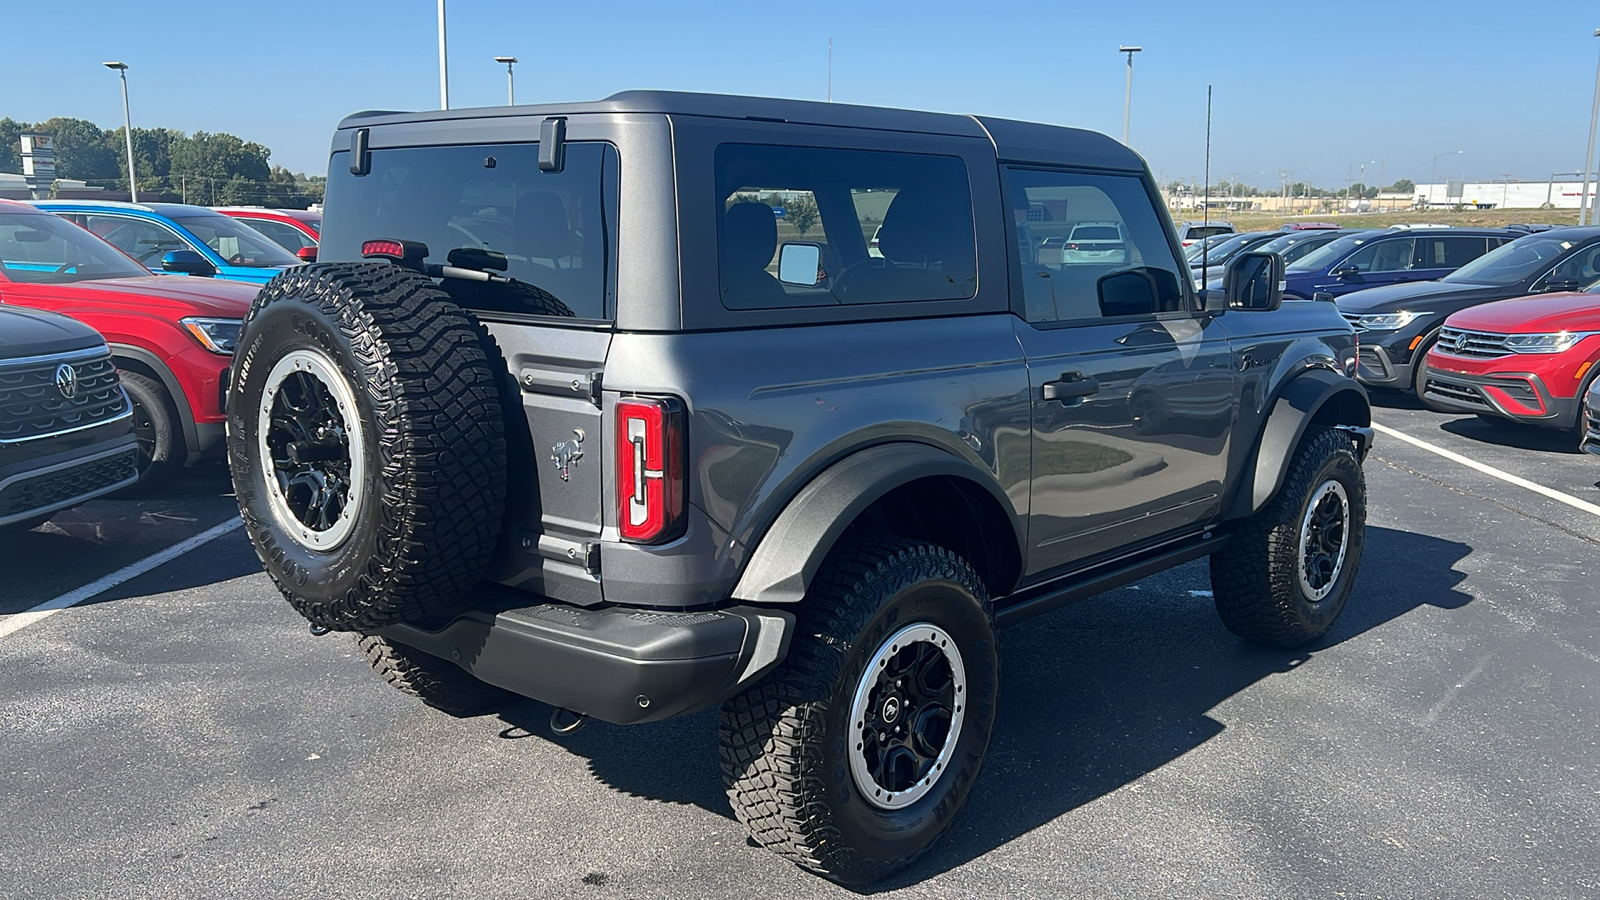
(793, 549)
(1296, 408)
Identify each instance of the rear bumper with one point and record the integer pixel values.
(622, 665)
(1522, 397)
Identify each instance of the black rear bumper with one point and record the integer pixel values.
(622, 665)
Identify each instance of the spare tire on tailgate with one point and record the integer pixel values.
(367, 444)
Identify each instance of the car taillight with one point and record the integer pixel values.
(650, 485)
(1072, 246)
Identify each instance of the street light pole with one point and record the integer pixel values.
(444, 69)
(127, 128)
(511, 84)
(1585, 208)
(1127, 96)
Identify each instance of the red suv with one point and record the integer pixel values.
(297, 230)
(1529, 359)
(171, 336)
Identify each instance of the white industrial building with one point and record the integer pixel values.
(1503, 194)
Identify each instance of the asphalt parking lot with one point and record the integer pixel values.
(180, 733)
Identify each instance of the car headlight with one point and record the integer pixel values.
(1555, 342)
(216, 335)
(1388, 321)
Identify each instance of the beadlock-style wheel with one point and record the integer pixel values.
(1323, 542)
(312, 449)
(906, 715)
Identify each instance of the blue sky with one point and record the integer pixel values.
(1312, 87)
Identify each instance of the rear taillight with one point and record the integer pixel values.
(650, 486)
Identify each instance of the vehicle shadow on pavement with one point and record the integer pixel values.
(1093, 698)
(1511, 434)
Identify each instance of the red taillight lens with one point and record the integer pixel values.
(650, 484)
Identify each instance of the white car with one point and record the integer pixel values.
(1095, 242)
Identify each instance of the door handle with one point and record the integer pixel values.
(1072, 386)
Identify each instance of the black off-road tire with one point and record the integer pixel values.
(784, 742)
(427, 509)
(1256, 578)
(158, 429)
(439, 683)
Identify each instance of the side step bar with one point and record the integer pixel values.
(1030, 602)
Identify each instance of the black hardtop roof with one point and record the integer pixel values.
(1013, 140)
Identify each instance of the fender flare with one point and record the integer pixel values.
(180, 400)
(1296, 407)
(793, 549)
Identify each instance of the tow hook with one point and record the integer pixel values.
(565, 721)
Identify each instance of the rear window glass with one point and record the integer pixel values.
(556, 230)
(888, 227)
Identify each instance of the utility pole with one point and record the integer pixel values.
(127, 128)
(444, 68)
(1127, 95)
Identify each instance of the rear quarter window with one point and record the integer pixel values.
(556, 230)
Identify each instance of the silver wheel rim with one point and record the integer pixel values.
(308, 403)
(904, 687)
(1324, 540)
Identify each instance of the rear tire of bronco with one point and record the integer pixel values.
(367, 444)
(858, 752)
(1285, 576)
(438, 683)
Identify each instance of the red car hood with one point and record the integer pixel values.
(182, 296)
(1538, 314)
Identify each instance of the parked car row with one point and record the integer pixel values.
(135, 387)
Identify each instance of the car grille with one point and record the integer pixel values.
(1457, 392)
(1471, 344)
(62, 486)
(33, 406)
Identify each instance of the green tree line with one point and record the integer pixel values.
(210, 169)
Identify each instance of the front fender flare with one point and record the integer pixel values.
(793, 549)
(1296, 408)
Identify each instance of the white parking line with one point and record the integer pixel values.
(18, 621)
(1552, 493)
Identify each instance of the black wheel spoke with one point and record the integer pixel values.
(305, 421)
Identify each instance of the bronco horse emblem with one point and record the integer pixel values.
(567, 453)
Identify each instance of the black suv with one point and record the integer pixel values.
(615, 405)
(66, 428)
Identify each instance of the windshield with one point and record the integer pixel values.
(238, 244)
(1232, 247)
(47, 249)
(1328, 254)
(1511, 263)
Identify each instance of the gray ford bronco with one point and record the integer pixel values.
(672, 401)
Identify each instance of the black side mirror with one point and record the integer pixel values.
(1561, 284)
(1254, 281)
(187, 262)
(1345, 272)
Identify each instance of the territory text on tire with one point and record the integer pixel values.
(857, 753)
(1285, 576)
(366, 443)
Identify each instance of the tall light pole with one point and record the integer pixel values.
(1584, 206)
(127, 127)
(511, 84)
(444, 68)
(1127, 96)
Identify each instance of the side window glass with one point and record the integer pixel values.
(1393, 256)
(287, 236)
(883, 227)
(1090, 247)
(145, 241)
(1451, 252)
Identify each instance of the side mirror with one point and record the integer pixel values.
(800, 264)
(1561, 284)
(1140, 291)
(307, 254)
(1345, 272)
(187, 262)
(1254, 281)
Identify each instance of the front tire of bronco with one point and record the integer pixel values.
(367, 444)
(1285, 577)
(858, 752)
(438, 683)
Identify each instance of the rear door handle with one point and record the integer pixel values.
(1072, 386)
